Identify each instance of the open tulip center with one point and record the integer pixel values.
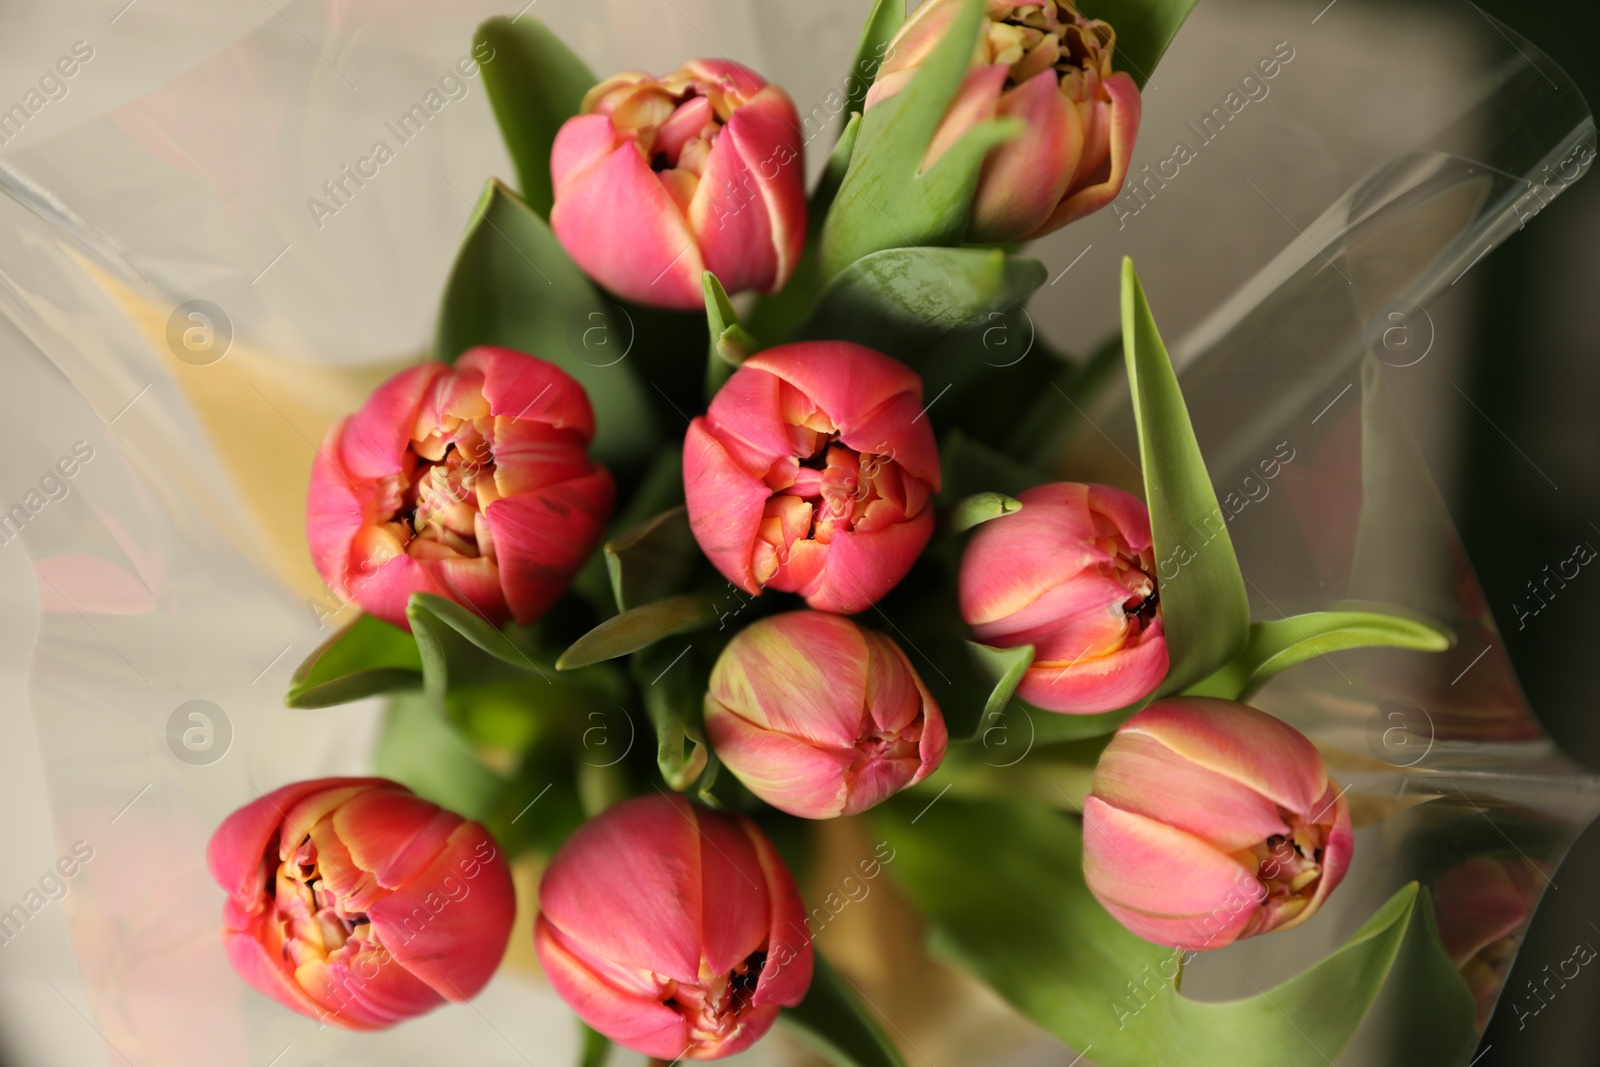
(713, 1005)
(435, 509)
(315, 923)
(1048, 36)
(1131, 570)
(824, 487)
(1288, 866)
(674, 121)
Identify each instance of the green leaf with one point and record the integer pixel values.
(673, 682)
(1005, 667)
(731, 343)
(1063, 408)
(652, 560)
(1204, 609)
(980, 508)
(535, 83)
(443, 628)
(368, 656)
(637, 628)
(1058, 957)
(1280, 644)
(900, 300)
(1144, 29)
(421, 750)
(883, 22)
(832, 1022)
(970, 467)
(596, 1047)
(887, 200)
(513, 285)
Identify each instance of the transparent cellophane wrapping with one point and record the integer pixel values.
(1389, 154)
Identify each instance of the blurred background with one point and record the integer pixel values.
(1503, 407)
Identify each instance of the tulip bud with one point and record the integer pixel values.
(353, 901)
(811, 474)
(1210, 821)
(470, 482)
(1042, 62)
(673, 930)
(820, 717)
(662, 179)
(1483, 906)
(1073, 575)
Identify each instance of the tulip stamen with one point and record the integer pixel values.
(1052, 35)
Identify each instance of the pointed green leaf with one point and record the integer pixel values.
(1005, 667)
(1204, 609)
(535, 83)
(980, 508)
(421, 750)
(442, 629)
(1058, 957)
(513, 285)
(883, 22)
(902, 299)
(1280, 644)
(368, 656)
(652, 560)
(832, 1022)
(1144, 29)
(638, 628)
(673, 682)
(887, 200)
(731, 343)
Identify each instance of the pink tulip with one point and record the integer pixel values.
(1483, 906)
(471, 482)
(662, 179)
(1210, 821)
(353, 901)
(1073, 575)
(811, 474)
(675, 931)
(820, 717)
(1041, 62)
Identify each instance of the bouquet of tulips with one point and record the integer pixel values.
(672, 553)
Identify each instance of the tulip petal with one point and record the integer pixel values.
(725, 505)
(848, 381)
(799, 777)
(526, 388)
(1163, 884)
(802, 674)
(373, 441)
(748, 211)
(335, 513)
(747, 416)
(897, 429)
(1023, 180)
(1104, 683)
(642, 1024)
(267, 975)
(862, 567)
(542, 538)
(1241, 743)
(1139, 774)
(621, 226)
(238, 846)
(735, 921)
(1125, 111)
(448, 924)
(787, 974)
(627, 887)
